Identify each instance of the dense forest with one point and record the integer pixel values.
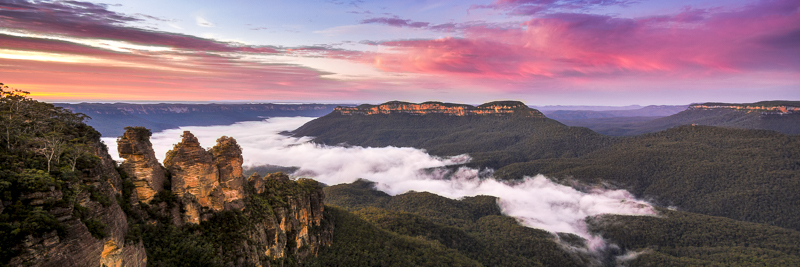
(475, 228)
(749, 175)
(472, 228)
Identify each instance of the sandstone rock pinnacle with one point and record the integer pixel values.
(140, 162)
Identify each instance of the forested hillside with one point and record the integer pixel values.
(58, 187)
(748, 175)
(493, 141)
(474, 228)
(65, 202)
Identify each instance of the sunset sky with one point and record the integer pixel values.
(543, 52)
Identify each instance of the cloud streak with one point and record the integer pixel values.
(693, 43)
(536, 201)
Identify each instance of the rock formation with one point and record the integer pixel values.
(296, 226)
(206, 180)
(228, 159)
(140, 162)
(195, 177)
(78, 245)
(396, 107)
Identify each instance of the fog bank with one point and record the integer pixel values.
(536, 201)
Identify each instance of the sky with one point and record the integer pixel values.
(542, 52)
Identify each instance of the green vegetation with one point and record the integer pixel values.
(472, 228)
(749, 175)
(264, 169)
(492, 141)
(225, 238)
(46, 153)
(746, 175)
(682, 238)
(357, 242)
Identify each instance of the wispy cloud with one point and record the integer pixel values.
(202, 22)
(534, 7)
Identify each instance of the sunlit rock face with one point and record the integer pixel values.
(768, 109)
(195, 177)
(228, 158)
(140, 162)
(297, 227)
(206, 179)
(396, 107)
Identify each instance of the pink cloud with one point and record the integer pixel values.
(761, 37)
(89, 20)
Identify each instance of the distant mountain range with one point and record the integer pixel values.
(780, 116)
(648, 111)
(111, 119)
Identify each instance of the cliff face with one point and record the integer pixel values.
(228, 159)
(195, 177)
(104, 244)
(297, 226)
(206, 180)
(284, 218)
(140, 162)
(781, 109)
(499, 108)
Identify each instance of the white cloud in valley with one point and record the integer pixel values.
(536, 201)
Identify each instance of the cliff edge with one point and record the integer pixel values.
(498, 108)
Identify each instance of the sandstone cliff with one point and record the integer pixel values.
(204, 180)
(498, 108)
(264, 221)
(140, 162)
(95, 226)
(765, 107)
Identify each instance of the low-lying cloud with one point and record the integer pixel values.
(536, 201)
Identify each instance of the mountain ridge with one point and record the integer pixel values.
(431, 107)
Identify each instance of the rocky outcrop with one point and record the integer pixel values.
(298, 226)
(104, 244)
(769, 107)
(498, 108)
(195, 178)
(285, 216)
(140, 162)
(228, 159)
(206, 180)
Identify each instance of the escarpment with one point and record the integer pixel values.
(764, 107)
(498, 108)
(90, 227)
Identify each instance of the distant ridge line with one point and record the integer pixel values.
(499, 108)
(771, 107)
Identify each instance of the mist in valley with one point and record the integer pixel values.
(535, 201)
